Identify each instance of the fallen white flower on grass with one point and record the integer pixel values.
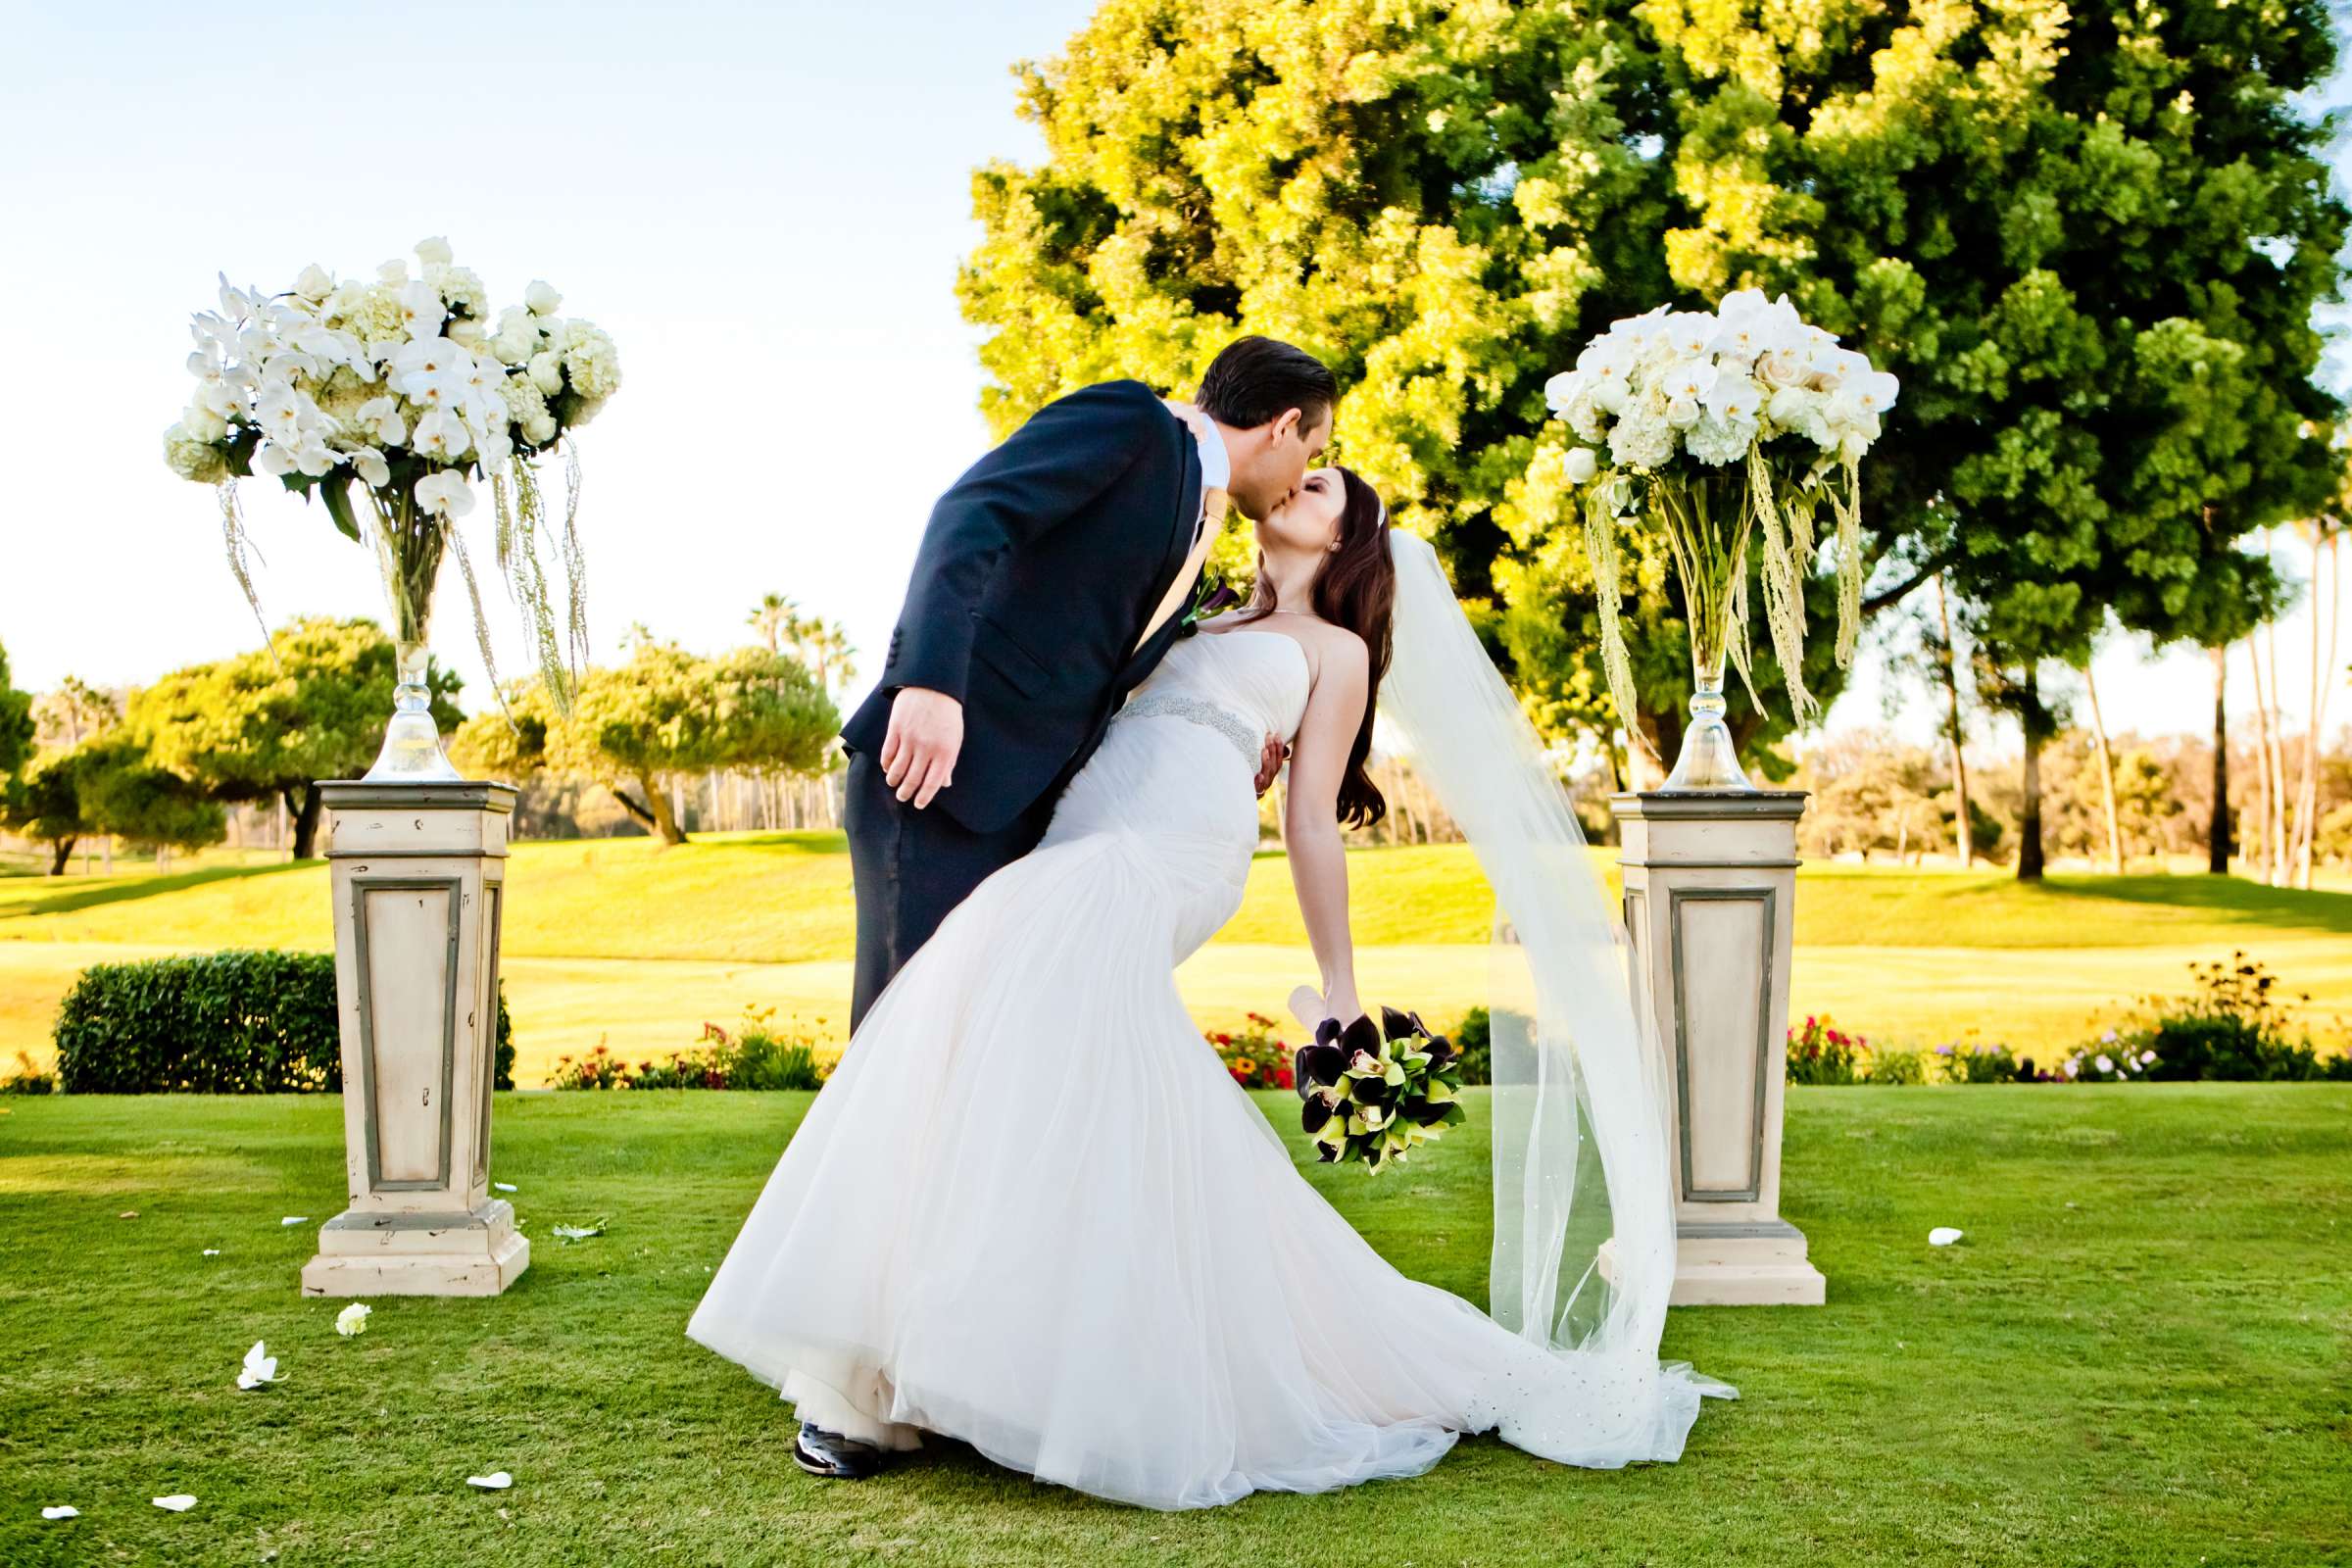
(67, 1512)
(260, 1367)
(1943, 1236)
(504, 1187)
(353, 1319)
(294, 1219)
(212, 1252)
(495, 1481)
(177, 1503)
(577, 1233)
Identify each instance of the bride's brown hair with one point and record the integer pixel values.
(1356, 588)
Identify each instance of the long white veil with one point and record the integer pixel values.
(1584, 1200)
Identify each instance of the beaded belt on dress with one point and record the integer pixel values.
(1224, 720)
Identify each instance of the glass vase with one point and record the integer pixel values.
(408, 549)
(1706, 522)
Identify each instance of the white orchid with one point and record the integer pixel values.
(440, 434)
(445, 492)
(421, 311)
(1686, 386)
(380, 417)
(260, 1367)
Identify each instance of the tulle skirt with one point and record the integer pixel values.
(1030, 1210)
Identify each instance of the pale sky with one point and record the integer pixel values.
(764, 204)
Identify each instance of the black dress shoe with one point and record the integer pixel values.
(834, 1456)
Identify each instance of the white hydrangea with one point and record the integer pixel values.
(591, 361)
(192, 458)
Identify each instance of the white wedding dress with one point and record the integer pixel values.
(1031, 1210)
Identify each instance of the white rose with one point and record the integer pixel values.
(393, 273)
(542, 298)
(433, 251)
(1582, 464)
(314, 284)
(468, 332)
(547, 371)
(202, 423)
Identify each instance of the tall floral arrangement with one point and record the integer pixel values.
(1718, 427)
(408, 388)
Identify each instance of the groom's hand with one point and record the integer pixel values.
(1269, 763)
(918, 753)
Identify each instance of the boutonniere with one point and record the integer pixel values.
(1214, 598)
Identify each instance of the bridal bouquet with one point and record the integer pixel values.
(1373, 1094)
(409, 389)
(1719, 423)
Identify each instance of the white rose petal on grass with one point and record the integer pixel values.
(353, 1319)
(1943, 1236)
(260, 1367)
(580, 1233)
(212, 1252)
(295, 1219)
(495, 1481)
(177, 1503)
(504, 1187)
(66, 1511)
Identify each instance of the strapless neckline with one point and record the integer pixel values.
(1304, 662)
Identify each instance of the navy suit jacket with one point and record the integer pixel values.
(1034, 577)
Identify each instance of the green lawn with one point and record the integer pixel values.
(2137, 1357)
(626, 942)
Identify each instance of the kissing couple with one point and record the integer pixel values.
(1030, 1209)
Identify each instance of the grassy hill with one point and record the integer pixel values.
(622, 940)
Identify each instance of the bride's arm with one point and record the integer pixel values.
(1311, 815)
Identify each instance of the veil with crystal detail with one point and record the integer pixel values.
(1584, 1250)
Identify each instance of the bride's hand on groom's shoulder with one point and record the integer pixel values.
(919, 751)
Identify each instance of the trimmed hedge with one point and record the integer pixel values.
(242, 1021)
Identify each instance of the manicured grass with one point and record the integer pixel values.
(625, 941)
(2135, 1357)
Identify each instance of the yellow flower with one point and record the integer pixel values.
(1243, 1065)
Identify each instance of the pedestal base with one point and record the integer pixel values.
(478, 1253)
(1761, 1263)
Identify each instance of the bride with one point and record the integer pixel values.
(1031, 1210)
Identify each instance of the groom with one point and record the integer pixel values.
(1050, 582)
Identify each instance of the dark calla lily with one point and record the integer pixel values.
(1441, 1052)
(1313, 1114)
(1316, 1067)
(1372, 1092)
(1361, 1035)
(1394, 1025)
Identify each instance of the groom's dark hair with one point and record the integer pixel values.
(1255, 379)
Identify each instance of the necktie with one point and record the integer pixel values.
(1213, 521)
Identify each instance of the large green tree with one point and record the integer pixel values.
(260, 727)
(2088, 238)
(667, 710)
(15, 723)
(108, 784)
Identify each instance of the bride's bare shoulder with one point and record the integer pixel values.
(1335, 651)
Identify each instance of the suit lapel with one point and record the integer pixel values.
(1179, 545)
